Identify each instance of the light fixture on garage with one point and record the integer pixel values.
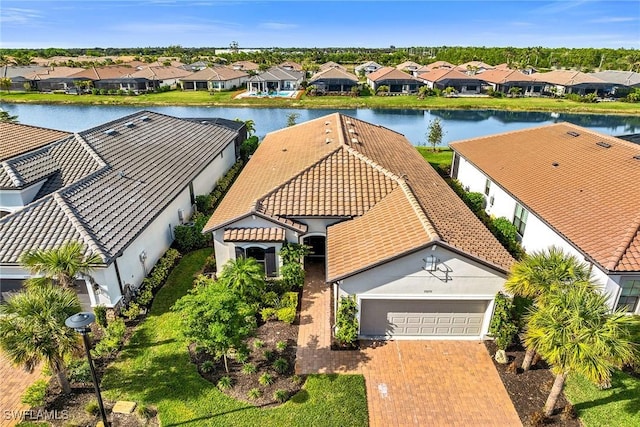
(431, 263)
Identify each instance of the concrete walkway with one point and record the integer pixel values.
(409, 383)
(13, 383)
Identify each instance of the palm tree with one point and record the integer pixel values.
(575, 331)
(61, 264)
(244, 276)
(538, 273)
(32, 329)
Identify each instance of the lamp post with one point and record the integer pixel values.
(80, 323)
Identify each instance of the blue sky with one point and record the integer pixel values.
(199, 23)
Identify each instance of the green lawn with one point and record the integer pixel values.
(617, 406)
(154, 369)
(332, 102)
(439, 159)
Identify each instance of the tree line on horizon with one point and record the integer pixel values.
(583, 59)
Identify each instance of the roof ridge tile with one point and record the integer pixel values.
(13, 174)
(83, 142)
(422, 216)
(624, 246)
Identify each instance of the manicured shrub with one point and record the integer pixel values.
(289, 299)
(266, 379)
(281, 396)
(101, 315)
(254, 393)
(132, 310)
(207, 366)
(111, 340)
(248, 147)
(34, 394)
(92, 407)
(286, 314)
(507, 235)
(203, 203)
(292, 253)
(475, 201)
(281, 345)
(270, 299)
(268, 313)
(281, 365)
(79, 371)
(346, 321)
(503, 328)
(292, 275)
(224, 383)
(249, 368)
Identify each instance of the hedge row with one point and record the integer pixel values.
(207, 203)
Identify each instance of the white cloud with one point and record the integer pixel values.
(19, 16)
(278, 26)
(613, 19)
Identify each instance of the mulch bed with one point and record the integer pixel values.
(262, 357)
(65, 410)
(529, 390)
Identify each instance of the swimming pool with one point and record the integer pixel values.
(271, 94)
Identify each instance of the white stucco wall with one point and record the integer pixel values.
(206, 181)
(405, 278)
(538, 235)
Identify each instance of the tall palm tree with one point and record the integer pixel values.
(62, 264)
(32, 329)
(539, 273)
(575, 331)
(244, 276)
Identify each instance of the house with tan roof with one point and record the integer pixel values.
(334, 81)
(398, 82)
(290, 65)
(560, 82)
(567, 186)
(275, 79)
(118, 188)
(474, 67)
(115, 77)
(161, 75)
(388, 228)
(436, 65)
(408, 66)
(503, 80)
(244, 66)
(442, 78)
(331, 64)
(215, 79)
(367, 68)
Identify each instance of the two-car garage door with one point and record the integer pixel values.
(420, 318)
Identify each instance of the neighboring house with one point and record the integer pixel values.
(567, 186)
(18, 75)
(215, 79)
(161, 75)
(435, 65)
(115, 77)
(408, 67)
(621, 81)
(390, 230)
(398, 81)
(275, 79)
(503, 80)
(245, 66)
(334, 80)
(119, 188)
(290, 65)
(442, 78)
(560, 82)
(474, 67)
(196, 66)
(367, 68)
(55, 78)
(331, 64)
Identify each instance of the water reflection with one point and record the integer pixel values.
(457, 124)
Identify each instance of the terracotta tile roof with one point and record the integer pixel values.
(437, 64)
(389, 73)
(478, 64)
(103, 73)
(254, 234)
(16, 139)
(502, 76)
(591, 197)
(331, 64)
(244, 65)
(215, 74)
(334, 73)
(338, 166)
(111, 185)
(161, 73)
(54, 72)
(442, 74)
(568, 78)
(408, 64)
(290, 64)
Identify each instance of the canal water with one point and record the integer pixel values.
(457, 124)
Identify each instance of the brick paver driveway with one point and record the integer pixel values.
(409, 383)
(13, 383)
